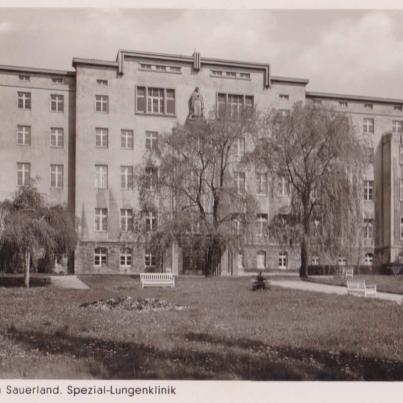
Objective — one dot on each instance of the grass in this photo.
(384, 283)
(228, 332)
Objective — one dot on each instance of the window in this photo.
(127, 139)
(401, 228)
(24, 77)
(23, 173)
(261, 183)
(125, 257)
(126, 177)
(159, 101)
(151, 220)
(261, 260)
(146, 66)
(101, 219)
(368, 190)
(160, 68)
(126, 219)
(240, 147)
(151, 178)
(217, 73)
(101, 137)
(24, 100)
(57, 137)
(150, 260)
(102, 82)
(262, 221)
(368, 259)
(57, 80)
(282, 260)
(397, 126)
(175, 69)
(343, 104)
(369, 153)
(245, 76)
(102, 103)
(284, 96)
(230, 74)
(398, 108)
(341, 261)
(240, 179)
(283, 187)
(368, 106)
(56, 176)
(368, 126)
(100, 257)
(368, 228)
(315, 260)
(101, 176)
(23, 135)
(151, 140)
(56, 103)
(232, 105)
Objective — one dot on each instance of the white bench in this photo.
(157, 280)
(360, 288)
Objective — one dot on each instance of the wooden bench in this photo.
(157, 280)
(360, 288)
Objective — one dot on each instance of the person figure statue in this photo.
(196, 105)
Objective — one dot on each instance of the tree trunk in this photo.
(303, 270)
(27, 268)
(213, 257)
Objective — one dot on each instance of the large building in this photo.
(83, 132)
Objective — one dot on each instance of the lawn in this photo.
(227, 332)
(384, 283)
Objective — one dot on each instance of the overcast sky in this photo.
(354, 52)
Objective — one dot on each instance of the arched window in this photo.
(282, 260)
(100, 257)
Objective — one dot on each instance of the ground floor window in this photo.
(282, 260)
(368, 259)
(341, 261)
(261, 259)
(125, 257)
(150, 260)
(315, 260)
(100, 257)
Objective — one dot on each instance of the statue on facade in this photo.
(196, 105)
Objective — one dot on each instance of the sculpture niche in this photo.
(196, 105)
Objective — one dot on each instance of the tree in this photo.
(30, 228)
(195, 180)
(317, 153)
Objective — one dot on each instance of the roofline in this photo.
(196, 60)
(94, 62)
(313, 94)
(36, 70)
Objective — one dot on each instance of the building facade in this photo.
(83, 132)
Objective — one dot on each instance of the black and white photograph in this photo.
(195, 194)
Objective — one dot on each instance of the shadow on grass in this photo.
(205, 356)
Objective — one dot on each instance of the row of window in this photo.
(230, 74)
(56, 136)
(160, 68)
(126, 139)
(24, 101)
(368, 126)
(56, 174)
(27, 77)
(367, 105)
(126, 220)
(125, 258)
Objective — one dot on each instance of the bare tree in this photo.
(316, 151)
(195, 180)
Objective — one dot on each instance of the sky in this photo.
(342, 51)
